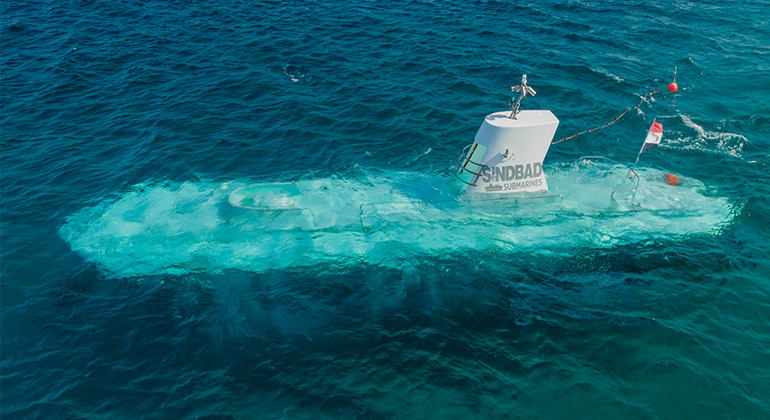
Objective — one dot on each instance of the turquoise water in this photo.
(143, 278)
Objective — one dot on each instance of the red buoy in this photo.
(673, 87)
(672, 179)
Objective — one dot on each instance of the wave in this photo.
(712, 142)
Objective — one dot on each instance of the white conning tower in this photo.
(508, 152)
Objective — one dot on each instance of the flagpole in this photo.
(631, 174)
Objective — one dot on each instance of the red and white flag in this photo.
(653, 137)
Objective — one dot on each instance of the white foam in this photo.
(712, 141)
(609, 75)
(379, 218)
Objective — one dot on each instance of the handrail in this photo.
(508, 197)
(468, 170)
(460, 159)
(631, 171)
(475, 145)
(463, 165)
(478, 175)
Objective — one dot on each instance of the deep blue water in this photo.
(121, 121)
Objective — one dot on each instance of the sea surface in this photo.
(142, 278)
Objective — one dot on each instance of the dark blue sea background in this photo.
(125, 105)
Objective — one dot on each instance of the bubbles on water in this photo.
(297, 73)
(609, 75)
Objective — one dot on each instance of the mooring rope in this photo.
(611, 122)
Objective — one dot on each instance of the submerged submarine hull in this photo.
(382, 218)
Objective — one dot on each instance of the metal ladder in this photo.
(464, 160)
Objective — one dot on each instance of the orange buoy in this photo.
(672, 179)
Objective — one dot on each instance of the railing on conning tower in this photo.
(631, 171)
(462, 165)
